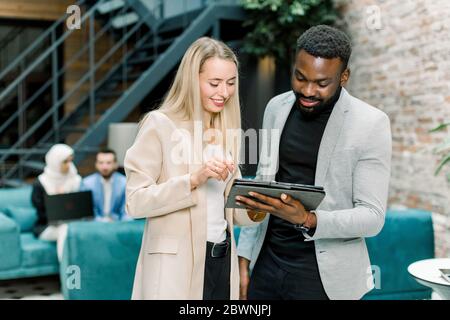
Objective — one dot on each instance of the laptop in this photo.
(69, 206)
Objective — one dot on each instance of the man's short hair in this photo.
(325, 42)
(106, 150)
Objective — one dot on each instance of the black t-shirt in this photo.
(299, 147)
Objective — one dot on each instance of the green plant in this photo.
(275, 25)
(443, 148)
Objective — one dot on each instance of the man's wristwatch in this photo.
(256, 215)
(304, 227)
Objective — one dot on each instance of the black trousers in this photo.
(216, 285)
(270, 282)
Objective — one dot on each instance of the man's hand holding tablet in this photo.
(291, 202)
(285, 207)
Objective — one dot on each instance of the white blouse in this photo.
(215, 192)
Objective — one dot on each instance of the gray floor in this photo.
(40, 288)
(48, 288)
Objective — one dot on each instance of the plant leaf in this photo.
(444, 146)
(275, 25)
(440, 127)
(443, 162)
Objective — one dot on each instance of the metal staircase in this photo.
(144, 48)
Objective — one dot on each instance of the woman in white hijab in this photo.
(59, 176)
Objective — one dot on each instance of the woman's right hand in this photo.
(214, 168)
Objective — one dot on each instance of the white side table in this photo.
(426, 272)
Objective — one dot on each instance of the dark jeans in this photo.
(216, 285)
(270, 282)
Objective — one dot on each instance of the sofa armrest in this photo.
(105, 254)
(407, 237)
(10, 252)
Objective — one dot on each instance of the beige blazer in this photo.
(172, 257)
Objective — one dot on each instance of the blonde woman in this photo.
(179, 172)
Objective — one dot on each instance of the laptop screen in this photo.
(69, 206)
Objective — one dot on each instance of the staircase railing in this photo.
(131, 96)
(208, 19)
(5, 44)
(90, 78)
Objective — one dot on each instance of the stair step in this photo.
(46, 145)
(150, 46)
(132, 76)
(124, 20)
(13, 183)
(109, 94)
(177, 22)
(141, 60)
(110, 6)
(35, 165)
(74, 129)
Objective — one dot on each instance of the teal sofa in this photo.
(21, 254)
(99, 260)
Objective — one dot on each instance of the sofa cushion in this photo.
(9, 243)
(25, 217)
(37, 252)
(16, 197)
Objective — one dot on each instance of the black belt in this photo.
(219, 249)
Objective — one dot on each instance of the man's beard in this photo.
(313, 112)
(106, 177)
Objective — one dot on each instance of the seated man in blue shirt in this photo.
(108, 188)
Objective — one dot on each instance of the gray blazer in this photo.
(353, 166)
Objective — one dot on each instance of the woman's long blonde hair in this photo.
(183, 99)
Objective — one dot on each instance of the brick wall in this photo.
(401, 64)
